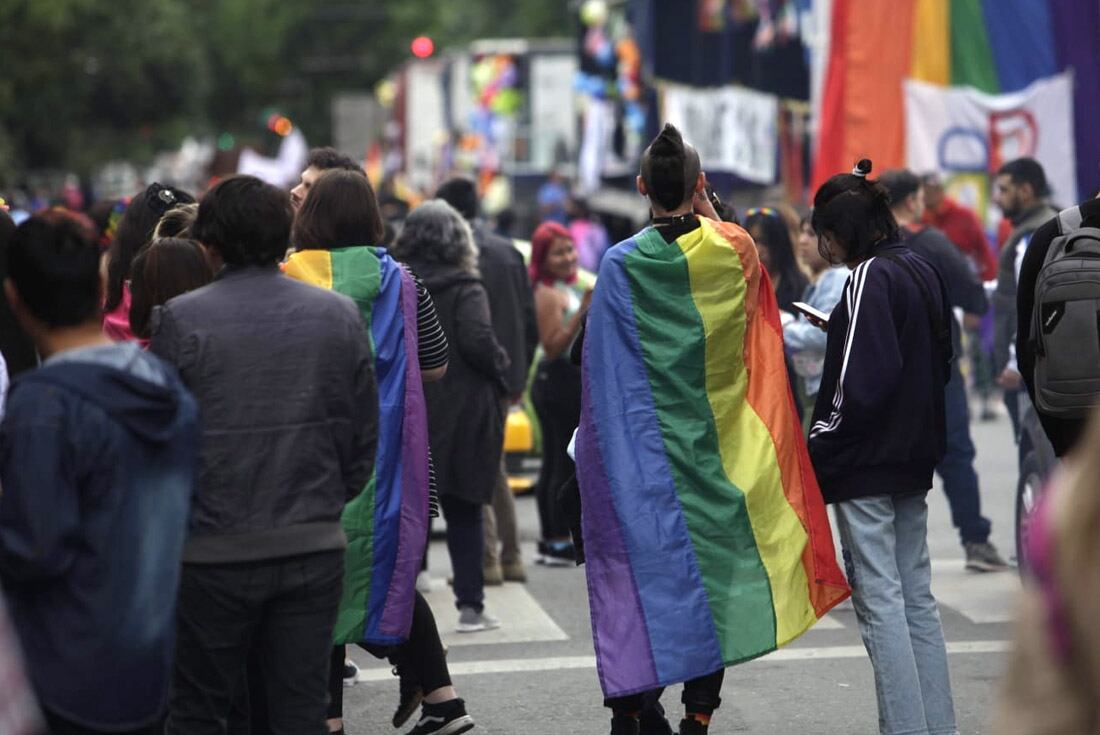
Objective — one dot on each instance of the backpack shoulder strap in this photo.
(1069, 220)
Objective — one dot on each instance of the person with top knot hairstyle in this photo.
(706, 541)
(878, 433)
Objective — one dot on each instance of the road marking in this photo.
(980, 598)
(522, 619)
(562, 663)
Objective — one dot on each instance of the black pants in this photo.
(284, 610)
(57, 725)
(420, 658)
(466, 544)
(556, 393)
(700, 697)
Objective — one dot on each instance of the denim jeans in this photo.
(886, 555)
(960, 481)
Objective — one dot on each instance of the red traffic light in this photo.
(422, 47)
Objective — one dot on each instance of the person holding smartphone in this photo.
(878, 432)
(805, 337)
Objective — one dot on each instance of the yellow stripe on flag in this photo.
(745, 442)
(312, 266)
(931, 55)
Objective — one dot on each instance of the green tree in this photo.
(85, 81)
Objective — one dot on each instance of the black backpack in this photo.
(1066, 321)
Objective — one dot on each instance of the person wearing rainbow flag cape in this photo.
(387, 524)
(705, 534)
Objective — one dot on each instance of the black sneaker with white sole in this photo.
(446, 718)
(411, 695)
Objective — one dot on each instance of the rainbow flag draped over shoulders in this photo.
(706, 537)
(387, 524)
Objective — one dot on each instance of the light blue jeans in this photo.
(886, 554)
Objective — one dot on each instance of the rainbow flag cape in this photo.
(706, 537)
(387, 524)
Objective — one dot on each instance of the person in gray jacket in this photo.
(1021, 191)
(283, 374)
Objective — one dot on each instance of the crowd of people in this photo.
(233, 417)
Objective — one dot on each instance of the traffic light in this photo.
(422, 47)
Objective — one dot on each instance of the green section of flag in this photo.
(673, 340)
(971, 55)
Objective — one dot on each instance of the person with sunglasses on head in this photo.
(134, 231)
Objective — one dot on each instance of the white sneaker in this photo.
(351, 673)
(424, 582)
(472, 621)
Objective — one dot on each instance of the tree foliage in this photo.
(84, 81)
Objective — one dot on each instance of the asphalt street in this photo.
(536, 675)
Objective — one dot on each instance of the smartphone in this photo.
(814, 315)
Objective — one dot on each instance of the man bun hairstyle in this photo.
(670, 168)
(855, 210)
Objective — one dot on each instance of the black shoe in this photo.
(560, 554)
(692, 727)
(652, 721)
(411, 696)
(351, 673)
(624, 725)
(447, 718)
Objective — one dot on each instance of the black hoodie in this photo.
(878, 426)
(98, 459)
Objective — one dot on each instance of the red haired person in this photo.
(556, 391)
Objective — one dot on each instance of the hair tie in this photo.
(862, 168)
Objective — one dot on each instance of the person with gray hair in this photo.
(465, 425)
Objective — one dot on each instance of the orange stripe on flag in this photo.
(879, 40)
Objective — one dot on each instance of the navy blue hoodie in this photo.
(98, 455)
(878, 425)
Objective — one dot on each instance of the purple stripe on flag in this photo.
(413, 528)
(623, 649)
(1076, 26)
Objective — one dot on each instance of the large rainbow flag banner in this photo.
(993, 46)
(387, 524)
(706, 536)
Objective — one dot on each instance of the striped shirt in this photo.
(432, 351)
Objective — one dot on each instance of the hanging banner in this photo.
(962, 132)
(733, 128)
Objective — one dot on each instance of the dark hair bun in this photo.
(668, 142)
(863, 168)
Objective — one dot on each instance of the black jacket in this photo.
(964, 290)
(878, 426)
(1063, 433)
(284, 377)
(511, 304)
(465, 419)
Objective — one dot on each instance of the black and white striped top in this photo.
(432, 351)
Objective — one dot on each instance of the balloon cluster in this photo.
(495, 78)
